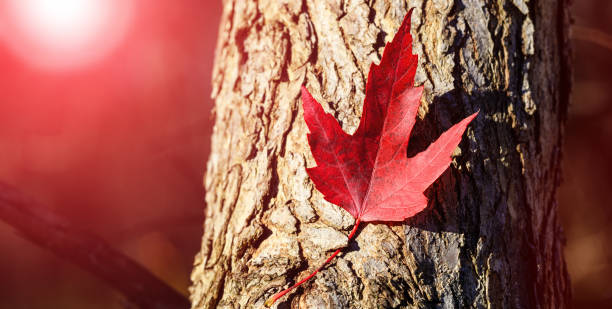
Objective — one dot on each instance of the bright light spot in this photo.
(62, 23)
(60, 34)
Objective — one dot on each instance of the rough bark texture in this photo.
(491, 235)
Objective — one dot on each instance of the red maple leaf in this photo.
(368, 173)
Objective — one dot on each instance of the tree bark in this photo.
(491, 235)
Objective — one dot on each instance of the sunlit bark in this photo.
(490, 237)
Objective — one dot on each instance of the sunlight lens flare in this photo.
(64, 33)
(62, 23)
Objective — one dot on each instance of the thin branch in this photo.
(592, 35)
(37, 224)
(190, 220)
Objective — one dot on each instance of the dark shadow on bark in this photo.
(451, 208)
(446, 110)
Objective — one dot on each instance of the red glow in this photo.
(62, 34)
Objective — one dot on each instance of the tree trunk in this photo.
(491, 235)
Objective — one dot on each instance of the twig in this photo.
(592, 35)
(190, 220)
(35, 223)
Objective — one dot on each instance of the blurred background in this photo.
(116, 140)
(585, 196)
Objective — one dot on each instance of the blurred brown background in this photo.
(585, 197)
(120, 149)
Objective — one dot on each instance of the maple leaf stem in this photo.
(274, 298)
